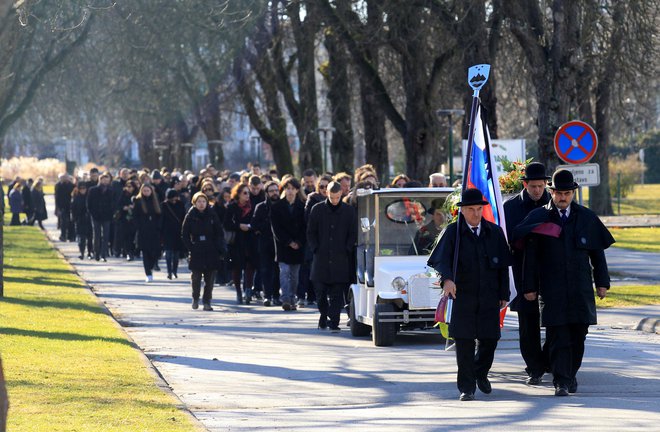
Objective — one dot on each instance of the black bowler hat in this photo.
(470, 197)
(562, 180)
(535, 171)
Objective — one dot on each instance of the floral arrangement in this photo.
(449, 207)
(510, 182)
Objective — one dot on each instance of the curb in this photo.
(649, 325)
(159, 379)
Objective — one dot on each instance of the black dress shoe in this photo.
(561, 390)
(466, 397)
(534, 380)
(323, 323)
(572, 388)
(484, 385)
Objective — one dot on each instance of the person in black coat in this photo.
(173, 214)
(242, 248)
(564, 245)
(63, 190)
(479, 287)
(203, 237)
(100, 208)
(332, 235)
(39, 212)
(148, 219)
(27, 202)
(82, 220)
(124, 221)
(261, 226)
(534, 195)
(288, 223)
(305, 286)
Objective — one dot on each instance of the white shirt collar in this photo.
(568, 211)
(478, 228)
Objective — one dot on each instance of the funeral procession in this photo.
(329, 215)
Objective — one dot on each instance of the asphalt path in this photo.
(256, 368)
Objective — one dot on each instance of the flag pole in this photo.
(477, 77)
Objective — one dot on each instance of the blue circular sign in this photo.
(576, 142)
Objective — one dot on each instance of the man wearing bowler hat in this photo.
(564, 246)
(480, 288)
(533, 196)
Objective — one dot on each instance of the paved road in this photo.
(255, 368)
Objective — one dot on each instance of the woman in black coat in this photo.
(148, 218)
(38, 203)
(82, 220)
(242, 250)
(173, 214)
(203, 236)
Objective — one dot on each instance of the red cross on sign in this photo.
(576, 142)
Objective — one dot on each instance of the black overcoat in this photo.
(332, 235)
(262, 229)
(80, 215)
(100, 203)
(39, 211)
(288, 223)
(203, 236)
(63, 190)
(173, 215)
(516, 209)
(244, 249)
(148, 224)
(482, 278)
(560, 268)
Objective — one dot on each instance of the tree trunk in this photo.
(210, 122)
(339, 96)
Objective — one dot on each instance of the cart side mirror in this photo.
(365, 225)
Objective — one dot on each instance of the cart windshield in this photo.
(409, 225)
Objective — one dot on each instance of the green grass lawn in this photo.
(630, 295)
(644, 199)
(68, 366)
(641, 239)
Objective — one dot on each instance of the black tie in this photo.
(476, 231)
(564, 218)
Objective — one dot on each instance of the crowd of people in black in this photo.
(250, 229)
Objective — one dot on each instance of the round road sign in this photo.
(576, 142)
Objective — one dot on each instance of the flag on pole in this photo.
(481, 175)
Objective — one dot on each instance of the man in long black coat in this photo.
(63, 190)
(564, 248)
(266, 245)
(480, 288)
(331, 234)
(100, 207)
(533, 196)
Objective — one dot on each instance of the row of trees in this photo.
(169, 70)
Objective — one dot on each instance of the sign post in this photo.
(576, 143)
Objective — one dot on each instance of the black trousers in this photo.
(529, 331)
(473, 365)
(149, 260)
(65, 224)
(85, 240)
(101, 238)
(330, 299)
(209, 277)
(566, 349)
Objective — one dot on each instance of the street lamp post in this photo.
(449, 113)
(324, 131)
(161, 150)
(256, 139)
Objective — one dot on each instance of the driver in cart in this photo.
(427, 234)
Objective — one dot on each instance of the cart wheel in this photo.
(358, 329)
(383, 332)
